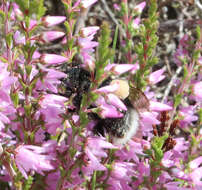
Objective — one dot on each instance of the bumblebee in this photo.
(121, 130)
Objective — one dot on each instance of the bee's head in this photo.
(123, 90)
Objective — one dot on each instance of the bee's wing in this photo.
(138, 100)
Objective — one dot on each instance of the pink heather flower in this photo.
(147, 120)
(32, 158)
(181, 145)
(36, 55)
(87, 46)
(196, 176)
(95, 150)
(51, 35)
(53, 59)
(200, 61)
(87, 3)
(88, 31)
(51, 108)
(122, 170)
(195, 163)
(18, 38)
(116, 7)
(119, 69)
(5, 79)
(156, 76)
(17, 12)
(108, 111)
(180, 55)
(167, 160)
(112, 99)
(50, 80)
(52, 180)
(32, 24)
(197, 91)
(187, 116)
(157, 106)
(75, 6)
(139, 8)
(131, 153)
(136, 23)
(174, 186)
(6, 106)
(107, 89)
(49, 21)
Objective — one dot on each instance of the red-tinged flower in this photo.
(53, 59)
(139, 8)
(51, 35)
(156, 76)
(32, 158)
(157, 106)
(118, 69)
(49, 21)
(87, 3)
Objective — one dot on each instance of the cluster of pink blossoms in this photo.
(36, 137)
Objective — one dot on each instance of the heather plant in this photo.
(52, 102)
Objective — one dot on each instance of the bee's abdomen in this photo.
(121, 129)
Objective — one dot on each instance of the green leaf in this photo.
(41, 9)
(28, 183)
(28, 108)
(115, 42)
(15, 99)
(200, 115)
(198, 32)
(28, 69)
(177, 100)
(9, 39)
(94, 180)
(2, 15)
